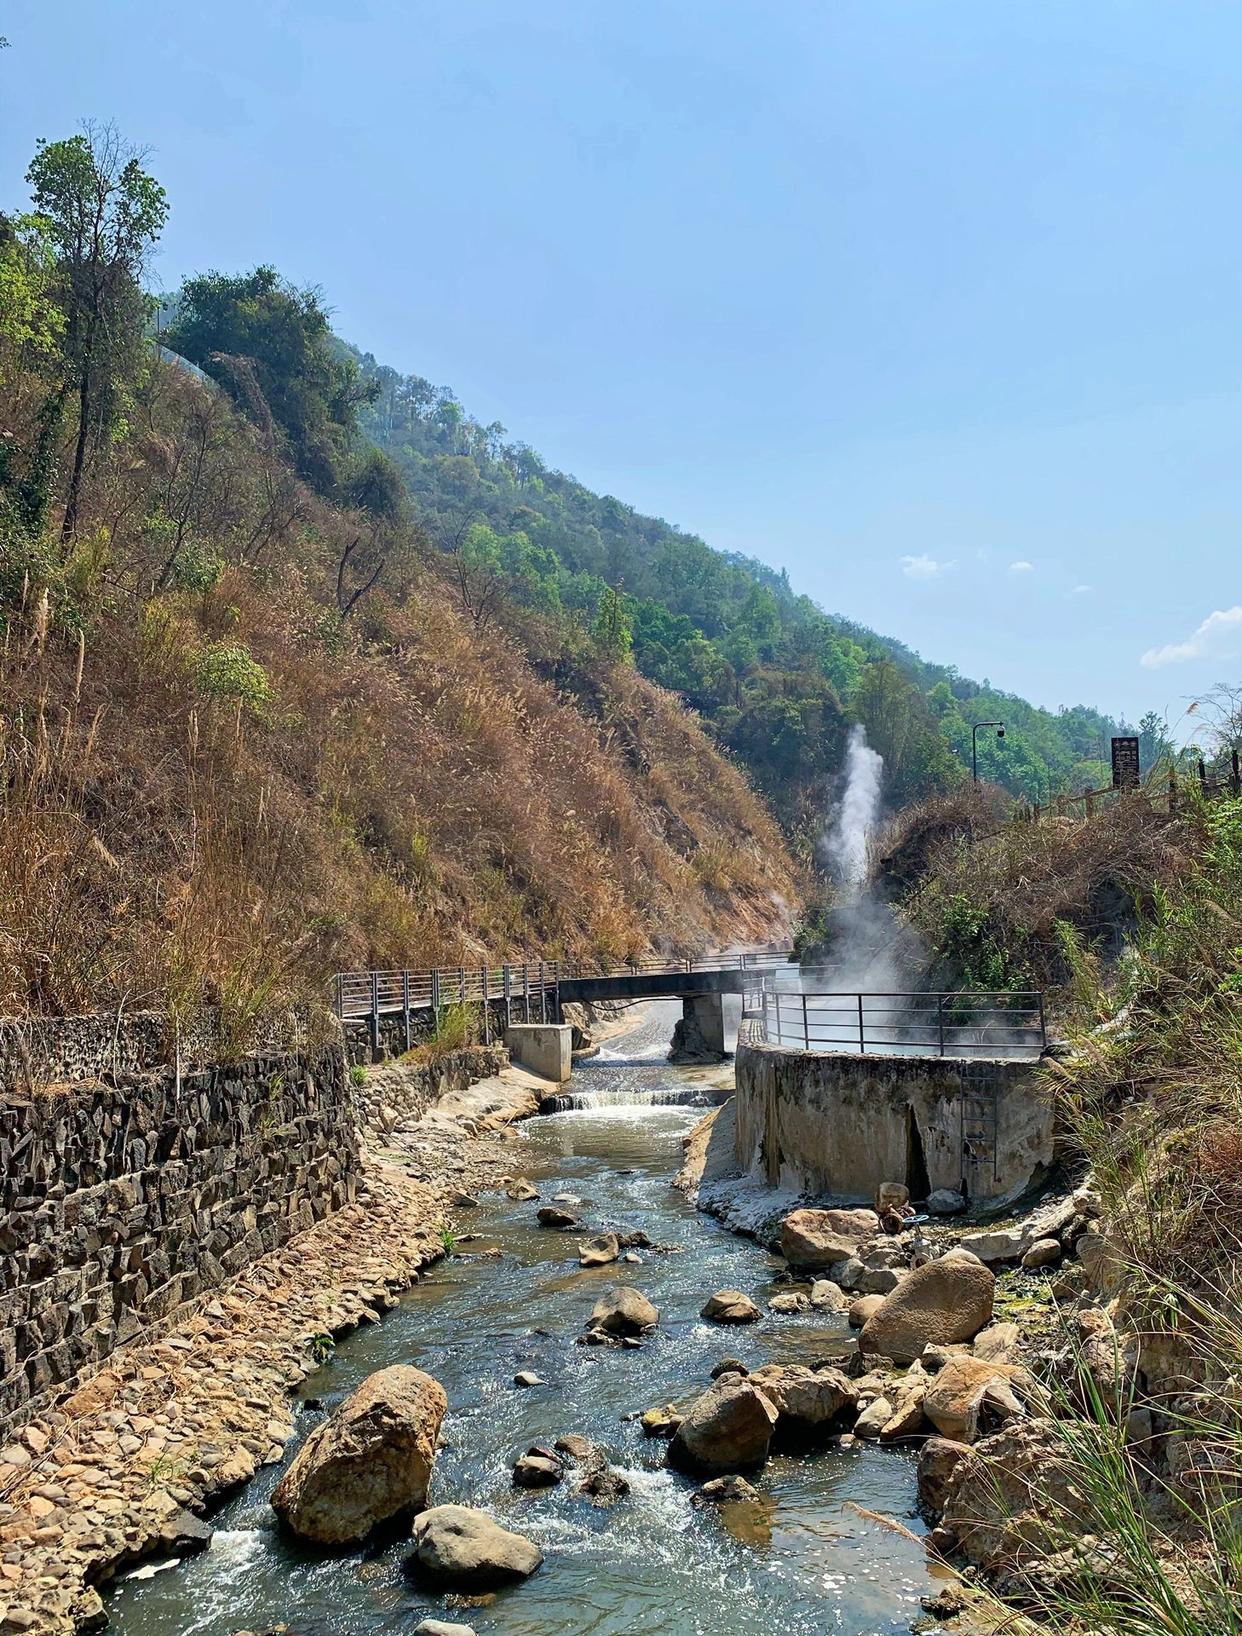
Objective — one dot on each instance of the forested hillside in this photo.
(777, 678)
(249, 733)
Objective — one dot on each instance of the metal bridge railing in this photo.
(960, 1023)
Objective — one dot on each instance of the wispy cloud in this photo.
(1081, 590)
(925, 567)
(1022, 567)
(1218, 637)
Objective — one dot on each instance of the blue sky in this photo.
(901, 296)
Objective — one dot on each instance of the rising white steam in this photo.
(848, 842)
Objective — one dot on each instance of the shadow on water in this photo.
(800, 1562)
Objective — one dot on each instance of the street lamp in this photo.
(974, 744)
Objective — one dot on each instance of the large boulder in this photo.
(369, 1462)
(463, 1549)
(623, 1310)
(820, 1238)
(807, 1401)
(969, 1397)
(1011, 1500)
(731, 1306)
(942, 1302)
(729, 1428)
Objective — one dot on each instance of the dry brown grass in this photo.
(410, 793)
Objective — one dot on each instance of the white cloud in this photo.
(1218, 637)
(925, 567)
(1021, 567)
(1081, 590)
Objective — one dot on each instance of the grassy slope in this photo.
(409, 791)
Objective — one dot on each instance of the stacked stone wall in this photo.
(124, 1198)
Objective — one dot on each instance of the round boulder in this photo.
(623, 1310)
(463, 1549)
(731, 1306)
(942, 1302)
(820, 1238)
(369, 1462)
(728, 1428)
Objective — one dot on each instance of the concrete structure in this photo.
(542, 1048)
(700, 1035)
(839, 1123)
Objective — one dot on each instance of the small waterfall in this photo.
(666, 1097)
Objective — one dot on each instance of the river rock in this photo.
(367, 1463)
(829, 1297)
(873, 1419)
(661, 1422)
(807, 1401)
(723, 1491)
(891, 1196)
(942, 1301)
(789, 1301)
(728, 1366)
(440, 1627)
(862, 1309)
(995, 1244)
(945, 1201)
(464, 1549)
(551, 1215)
(623, 1310)
(1045, 1252)
(522, 1190)
(728, 1428)
(731, 1306)
(907, 1397)
(969, 1398)
(527, 1377)
(998, 1343)
(603, 1485)
(537, 1468)
(599, 1251)
(818, 1238)
(938, 1459)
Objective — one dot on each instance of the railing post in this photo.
(862, 1041)
(461, 985)
(526, 989)
(507, 977)
(405, 1008)
(1235, 773)
(1043, 1025)
(375, 1026)
(776, 994)
(806, 1032)
(487, 1013)
(435, 994)
(940, 1021)
(543, 991)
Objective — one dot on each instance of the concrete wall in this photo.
(120, 1202)
(839, 1123)
(542, 1048)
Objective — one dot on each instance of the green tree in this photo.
(612, 632)
(1154, 741)
(103, 213)
(271, 347)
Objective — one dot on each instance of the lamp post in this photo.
(974, 744)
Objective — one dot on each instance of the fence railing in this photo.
(959, 1023)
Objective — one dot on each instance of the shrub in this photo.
(227, 670)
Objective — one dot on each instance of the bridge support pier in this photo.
(699, 1037)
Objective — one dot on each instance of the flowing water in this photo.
(800, 1562)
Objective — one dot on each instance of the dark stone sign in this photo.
(1126, 774)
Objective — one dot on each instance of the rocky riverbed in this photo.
(124, 1468)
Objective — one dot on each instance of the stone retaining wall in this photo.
(121, 1202)
(840, 1123)
(393, 1093)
